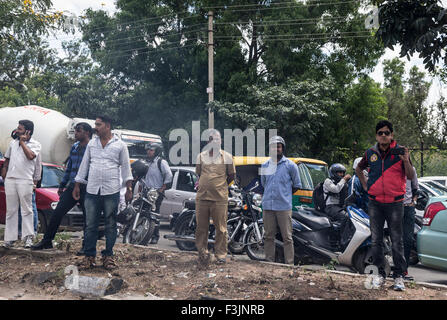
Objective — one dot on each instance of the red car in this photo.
(47, 199)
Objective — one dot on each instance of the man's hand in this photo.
(406, 156)
(25, 137)
(347, 177)
(76, 192)
(128, 196)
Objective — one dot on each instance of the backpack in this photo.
(319, 198)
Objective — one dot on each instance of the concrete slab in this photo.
(47, 253)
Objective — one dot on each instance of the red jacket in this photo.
(386, 177)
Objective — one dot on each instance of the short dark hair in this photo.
(384, 123)
(86, 127)
(28, 125)
(106, 119)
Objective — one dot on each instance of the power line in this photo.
(294, 6)
(295, 3)
(309, 21)
(304, 34)
(145, 50)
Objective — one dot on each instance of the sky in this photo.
(77, 7)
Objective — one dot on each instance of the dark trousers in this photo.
(408, 231)
(158, 202)
(65, 204)
(338, 214)
(393, 214)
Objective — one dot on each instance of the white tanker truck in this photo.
(55, 132)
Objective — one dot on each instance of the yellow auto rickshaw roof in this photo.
(240, 161)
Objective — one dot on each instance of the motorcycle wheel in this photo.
(237, 245)
(182, 228)
(254, 250)
(363, 258)
(142, 234)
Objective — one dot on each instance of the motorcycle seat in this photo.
(311, 220)
(190, 204)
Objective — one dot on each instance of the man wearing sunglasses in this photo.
(389, 167)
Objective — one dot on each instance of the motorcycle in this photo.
(317, 240)
(138, 220)
(237, 222)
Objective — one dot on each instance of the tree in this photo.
(22, 51)
(417, 26)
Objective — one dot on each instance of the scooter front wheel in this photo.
(363, 258)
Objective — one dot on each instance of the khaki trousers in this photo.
(283, 219)
(217, 211)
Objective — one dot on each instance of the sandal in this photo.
(108, 263)
(87, 263)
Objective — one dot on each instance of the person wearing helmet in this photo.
(336, 189)
(280, 179)
(158, 176)
(355, 186)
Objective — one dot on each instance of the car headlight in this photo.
(53, 205)
(152, 195)
(257, 200)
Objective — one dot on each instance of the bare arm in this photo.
(362, 178)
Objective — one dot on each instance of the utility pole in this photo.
(210, 89)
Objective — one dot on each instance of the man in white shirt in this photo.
(105, 163)
(18, 172)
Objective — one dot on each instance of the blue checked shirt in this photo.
(73, 164)
(278, 183)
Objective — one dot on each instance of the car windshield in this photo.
(137, 149)
(436, 187)
(312, 174)
(51, 177)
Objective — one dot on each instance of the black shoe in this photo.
(42, 245)
(154, 241)
(80, 252)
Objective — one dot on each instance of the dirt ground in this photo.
(176, 275)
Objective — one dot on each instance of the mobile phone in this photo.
(398, 151)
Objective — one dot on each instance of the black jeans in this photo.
(65, 204)
(408, 231)
(338, 214)
(393, 214)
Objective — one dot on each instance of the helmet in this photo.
(277, 139)
(157, 146)
(356, 162)
(139, 168)
(336, 167)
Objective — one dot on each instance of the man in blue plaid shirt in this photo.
(83, 134)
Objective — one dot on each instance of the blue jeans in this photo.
(393, 214)
(94, 205)
(35, 216)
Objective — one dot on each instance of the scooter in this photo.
(316, 239)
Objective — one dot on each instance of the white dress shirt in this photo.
(103, 166)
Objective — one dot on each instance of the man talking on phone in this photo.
(18, 172)
(389, 167)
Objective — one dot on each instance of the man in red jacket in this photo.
(389, 167)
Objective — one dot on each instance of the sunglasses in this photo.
(383, 133)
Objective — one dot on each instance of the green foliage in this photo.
(417, 26)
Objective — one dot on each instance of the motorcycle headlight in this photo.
(257, 200)
(152, 195)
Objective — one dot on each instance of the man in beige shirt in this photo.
(216, 171)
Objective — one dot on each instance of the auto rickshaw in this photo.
(311, 171)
